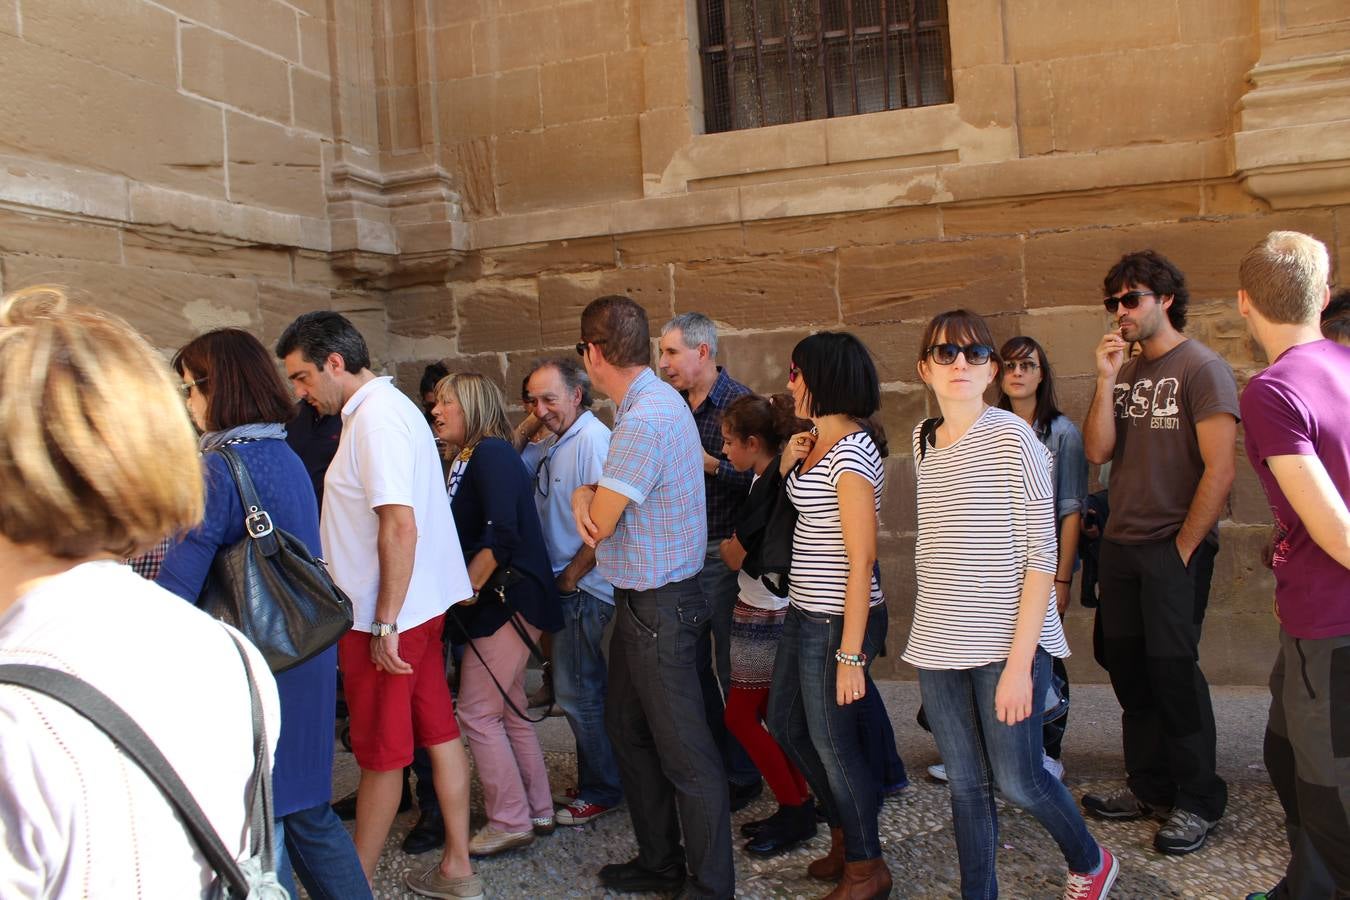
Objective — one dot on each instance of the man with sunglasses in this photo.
(1166, 420)
(558, 395)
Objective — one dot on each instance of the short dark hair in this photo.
(573, 375)
(959, 326)
(1336, 318)
(1047, 409)
(771, 419)
(838, 371)
(321, 332)
(618, 325)
(1156, 272)
(431, 376)
(241, 384)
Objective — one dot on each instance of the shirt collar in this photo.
(577, 426)
(718, 394)
(362, 394)
(638, 386)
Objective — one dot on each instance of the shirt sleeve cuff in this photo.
(634, 494)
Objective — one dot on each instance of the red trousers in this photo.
(745, 719)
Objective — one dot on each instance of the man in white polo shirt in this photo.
(391, 545)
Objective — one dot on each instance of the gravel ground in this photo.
(1246, 853)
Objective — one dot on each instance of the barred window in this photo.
(769, 62)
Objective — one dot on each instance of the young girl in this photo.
(1026, 386)
(753, 431)
(985, 624)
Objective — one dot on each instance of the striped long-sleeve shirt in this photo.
(986, 517)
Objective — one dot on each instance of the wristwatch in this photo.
(383, 629)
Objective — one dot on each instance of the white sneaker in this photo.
(938, 772)
(1052, 765)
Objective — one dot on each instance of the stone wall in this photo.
(463, 177)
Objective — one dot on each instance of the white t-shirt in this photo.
(819, 560)
(387, 456)
(79, 819)
(986, 516)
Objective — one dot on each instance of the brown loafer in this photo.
(489, 841)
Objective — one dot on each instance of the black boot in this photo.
(427, 834)
(794, 824)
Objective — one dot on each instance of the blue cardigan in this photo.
(494, 507)
(303, 773)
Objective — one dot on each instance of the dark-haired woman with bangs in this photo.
(985, 624)
(1026, 386)
(236, 397)
(836, 620)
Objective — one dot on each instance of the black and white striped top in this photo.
(819, 562)
(986, 517)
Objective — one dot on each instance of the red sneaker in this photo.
(579, 812)
(1093, 887)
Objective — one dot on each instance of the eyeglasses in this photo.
(542, 478)
(945, 354)
(793, 372)
(581, 346)
(1129, 300)
(186, 387)
(1022, 365)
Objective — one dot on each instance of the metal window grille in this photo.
(769, 62)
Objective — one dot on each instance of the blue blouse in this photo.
(302, 776)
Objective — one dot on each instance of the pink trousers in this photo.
(505, 748)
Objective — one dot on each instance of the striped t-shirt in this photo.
(986, 517)
(819, 561)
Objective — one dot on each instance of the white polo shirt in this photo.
(387, 456)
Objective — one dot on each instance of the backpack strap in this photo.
(928, 435)
(113, 721)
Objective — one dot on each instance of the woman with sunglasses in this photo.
(985, 623)
(1027, 388)
(236, 398)
(491, 497)
(836, 620)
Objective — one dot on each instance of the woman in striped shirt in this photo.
(985, 623)
(836, 621)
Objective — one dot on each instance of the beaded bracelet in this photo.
(850, 659)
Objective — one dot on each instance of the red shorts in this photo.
(391, 714)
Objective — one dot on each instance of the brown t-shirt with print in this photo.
(1157, 466)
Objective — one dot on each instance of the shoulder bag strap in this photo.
(95, 706)
(257, 522)
(455, 623)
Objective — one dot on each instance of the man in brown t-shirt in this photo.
(1167, 422)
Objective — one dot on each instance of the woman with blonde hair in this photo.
(98, 462)
(503, 542)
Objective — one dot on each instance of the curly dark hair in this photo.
(1155, 272)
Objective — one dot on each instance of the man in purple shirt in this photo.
(1298, 440)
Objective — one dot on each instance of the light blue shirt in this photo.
(558, 466)
(656, 461)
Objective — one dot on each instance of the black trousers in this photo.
(1308, 757)
(1152, 609)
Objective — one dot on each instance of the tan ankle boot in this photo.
(866, 880)
(830, 867)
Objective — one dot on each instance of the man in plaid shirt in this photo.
(689, 362)
(647, 520)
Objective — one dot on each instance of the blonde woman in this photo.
(99, 462)
(503, 542)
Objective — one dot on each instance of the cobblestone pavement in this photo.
(1246, 853)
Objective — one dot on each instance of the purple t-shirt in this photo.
(1298, 407)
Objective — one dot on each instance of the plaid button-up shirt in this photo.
(654, 461)
(726, 488)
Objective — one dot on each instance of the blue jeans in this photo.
(822, 738)
(979, 752)
(579, 685)
(878, 742)
(721, 587)
(671, 770)
(314, 843)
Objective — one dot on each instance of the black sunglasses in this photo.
(1129, 300)
(945, 354)
(542, 476)
(581, 346)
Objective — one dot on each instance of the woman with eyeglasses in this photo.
(491, 497)
(985, 622)
(236, 398)
(836, 620)
(1027, 388)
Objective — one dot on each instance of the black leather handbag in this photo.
(272, 588)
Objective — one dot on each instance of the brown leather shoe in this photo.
(830, 867)
(865, 880)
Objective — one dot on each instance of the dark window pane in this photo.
(795, 60)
